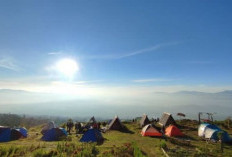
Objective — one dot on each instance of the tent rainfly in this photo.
(167, 120)
(144, 121)
(92, 135)
(92, 120)
(172, 130)
(116, 124)
(149, 130)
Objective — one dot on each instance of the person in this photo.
(77, 126)
(69, 125)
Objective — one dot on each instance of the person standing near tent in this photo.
(77, 127)
(70, 125)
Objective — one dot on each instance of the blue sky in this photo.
(187, 42)
(119, 46)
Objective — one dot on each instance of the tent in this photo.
(212, 134)
(166, 120)
(116, 124)
(149, 130)
(92, 120)
(92, 135)
(210, 131)
(54, 134)
(47, 127)
(23, 131)
(8, 134)
(144, 121)
(202, 128)
(172, 130)
(18, 133)
(5, 134)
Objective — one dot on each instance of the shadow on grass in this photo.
(126, 130)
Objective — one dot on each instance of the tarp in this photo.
(149, 130)
(172, 130)
(54, 134)
(92, 135)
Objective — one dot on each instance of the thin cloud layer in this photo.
(9, 64)
(151, 80)
(130, 54)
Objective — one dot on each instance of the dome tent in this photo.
(55, 134)
(149, 130)
(172, 130)
(92, 135)
(8, 134)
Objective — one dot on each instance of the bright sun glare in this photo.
(67, 67)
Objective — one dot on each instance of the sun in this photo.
(68, 67)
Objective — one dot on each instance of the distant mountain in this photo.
(226, 92)
(200, 93)
(13, 91)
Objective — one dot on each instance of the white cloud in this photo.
(8, 63)
(130, 54)
(55, 53)
(151, 80)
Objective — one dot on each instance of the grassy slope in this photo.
(151, 146)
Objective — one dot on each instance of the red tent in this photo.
(172, 130)
(149, 130)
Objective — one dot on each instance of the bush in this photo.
(163, 145)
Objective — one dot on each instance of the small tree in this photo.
(220, 136)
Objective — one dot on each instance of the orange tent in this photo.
(172, 130)
(149, 130)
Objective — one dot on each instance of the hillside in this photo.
(116, 144)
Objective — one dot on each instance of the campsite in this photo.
(115, 78)
(127, 138)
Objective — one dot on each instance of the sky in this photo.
(115, 49)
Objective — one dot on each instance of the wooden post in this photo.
(199, 117)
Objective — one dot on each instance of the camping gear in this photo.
(180, 114)
(149, 130)
(166, 120)
(54, 134)
(172, 130)
(92, 135)
(204, 126)
(144, 121)
(116, 124)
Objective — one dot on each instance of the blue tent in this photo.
(210, 131)
(92, 135)
(212, 134)
(5, 134)
(54, 134)
(23, 131)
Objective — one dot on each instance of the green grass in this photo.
(116, 144)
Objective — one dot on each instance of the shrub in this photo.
(163, 145)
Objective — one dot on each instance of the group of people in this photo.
(79, 128)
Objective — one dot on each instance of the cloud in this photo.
(151, 80)
(9, 64)
(55, 53)
(130, 54)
